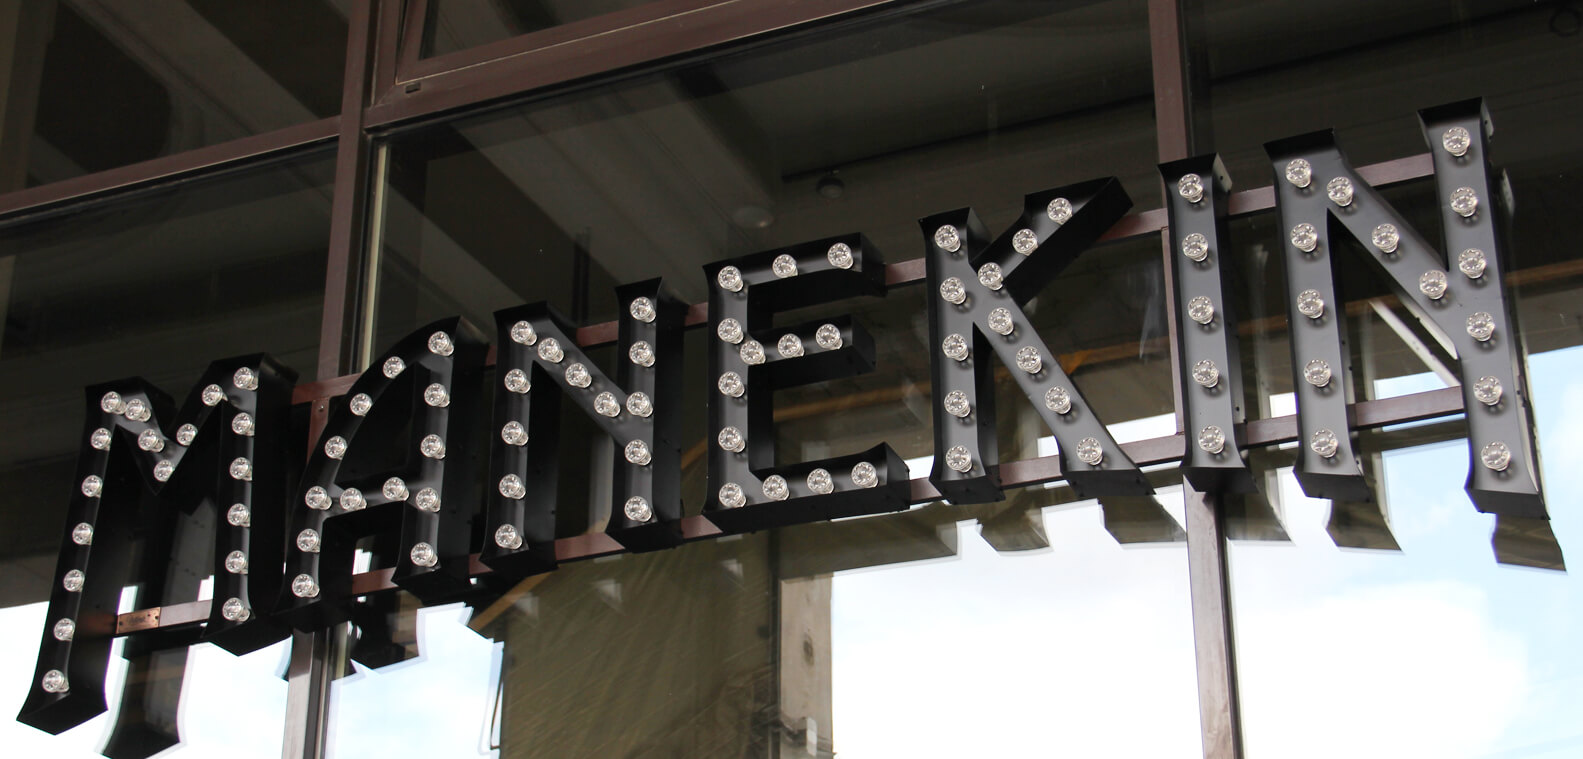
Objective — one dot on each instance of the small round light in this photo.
(55, 682)
(1000, 321)
(550, 350)
(1195, 246)
(840, 255)
(423, 555)
(1472, 263)
(820, 481)
(1481, 326)
(789, 346)
(577, 375)
(1059, 210)
(73, 580)
(952, 291)
(1201, 309)
(1324, 443)
(751, 352)
(1024, 242)
(352, 499)
(212, 395)
(440, 344)
(1299, 172)
(1456, 141)
(163, 470)
(729, 330)
(82, 534)
(958, 459)
(1089, 451)
(394, 489)
(186, 433)
(150, 440)
(335, 447)
(1205, 373)
(1340, 191)
(427, 499)
(1317, 372)
(729, 278)
(308, 541)
(828, 336)
(137, 410)
(1057, 399)
(946, 238)
(1433, 283)
(605, 405)
(784, 266)
(1487, 390)
(1311, 304)
(1496, 456)
(360, 404)
(304, 586)
(1211, 439)
(730, 384)
(394, 366)
(1385, 237)
(1029, 360)
(955, 347)
(236, 563)
(956, 404)
(637, 452)
(111, 403)
(642, 309)
(432, 446)
(864, 475)
(517, 381)
(730, 439)
(1464, 201)
(245, 379)
(1305, 238)
(436, 395)
(507, 537)
(100, 439)
(241, 424)
(239, 515)
(317, 498)
(1191, 187)
(637, 509)
(511, 487)
(233, 610)
(731, 496)
(989, 275)
(522, 334)
(775, 488)
(638, 404)
(64, 629)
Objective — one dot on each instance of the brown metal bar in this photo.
(536, 61)
(350, 201)
(410, 48)
(387, 52)
(1209, 586)
(69, 194)
(1172, 117)
(1432, 404)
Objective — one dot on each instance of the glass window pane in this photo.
(1416, 625)
(93, 85)
(454, 25)
(156, 286)
(851, 635)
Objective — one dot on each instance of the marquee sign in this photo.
(283, 549)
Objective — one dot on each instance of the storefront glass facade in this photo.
(450, 157)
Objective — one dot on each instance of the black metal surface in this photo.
(762, 294)
(1512, 492)
(1221, 405)
(386, 443)
(134, 506)
(1097, 205)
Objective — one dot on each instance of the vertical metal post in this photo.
(1179, 137)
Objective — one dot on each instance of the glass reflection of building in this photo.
(186, 180)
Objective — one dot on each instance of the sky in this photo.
(1081, 649)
